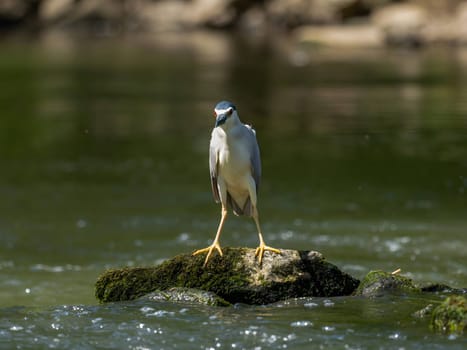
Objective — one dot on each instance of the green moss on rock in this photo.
(235, 277)
(378, 282)
(183, 270)
(124, 284)
(450, 316)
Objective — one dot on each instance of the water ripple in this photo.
(298, 323)
(55, 269)
(301, 324)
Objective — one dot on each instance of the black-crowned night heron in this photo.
(235, 166)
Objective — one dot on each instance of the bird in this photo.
(235, 169)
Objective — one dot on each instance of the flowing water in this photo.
(103, 163)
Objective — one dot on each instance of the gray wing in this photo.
(255, 157)
(213, 159)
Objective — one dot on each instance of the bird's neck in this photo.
(233, 133)
(233, 123)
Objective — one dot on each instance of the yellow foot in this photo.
(260, 251)
(209, 250)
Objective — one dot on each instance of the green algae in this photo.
(450, 316)
(124, 284)
(183, 270)
(378, 282)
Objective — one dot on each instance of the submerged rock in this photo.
(441, 288)
(450, 316)
(236, 277)
(425, 312)
(187, 295)
(378, 283)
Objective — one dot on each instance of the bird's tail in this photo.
(247, 209)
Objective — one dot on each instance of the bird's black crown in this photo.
(225, 105)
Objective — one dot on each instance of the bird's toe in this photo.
(209, 250)
(259, 252)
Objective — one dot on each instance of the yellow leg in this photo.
(262, 247)
(215, 244)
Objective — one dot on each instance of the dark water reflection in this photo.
(103, 163)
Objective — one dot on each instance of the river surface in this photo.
(103, 164)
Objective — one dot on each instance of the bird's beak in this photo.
(220, 119)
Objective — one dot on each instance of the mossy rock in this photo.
(450, 316)
(377, 283)
(441, 288)
(187, 295)
(236, 277)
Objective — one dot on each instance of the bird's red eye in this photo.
(215, 114)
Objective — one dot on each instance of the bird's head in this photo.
(223, 112)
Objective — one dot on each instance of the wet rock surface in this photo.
(186, 295)
(450, 316)
(377, 283)
(235, 277)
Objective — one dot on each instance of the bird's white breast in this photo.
(235, 161)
